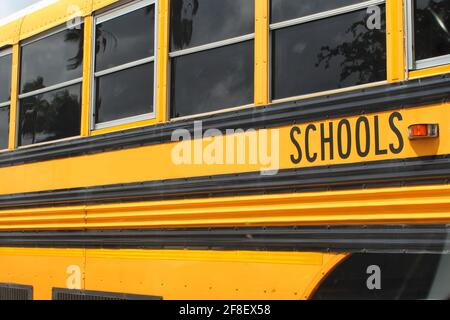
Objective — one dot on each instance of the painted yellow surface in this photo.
(41, 268)
(159, 162)
(171, 274)
(395, 45)
(162, 67)
(87, 81)
(407, 205)
(261, 53)
(429, 72)
(14, 97)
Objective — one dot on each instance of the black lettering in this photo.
(378, 151)
(296, 159)
(362, 153)
(328, 140)
(401, 143)
(310, 158)
(344, 155)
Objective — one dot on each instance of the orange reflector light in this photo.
(422, 131)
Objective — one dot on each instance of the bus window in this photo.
(50, 86)
(5, 96)
(125, 65)
(429, 36)
(325, 47)
(212, 55)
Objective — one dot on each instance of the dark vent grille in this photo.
(67, 294)
(15, 292)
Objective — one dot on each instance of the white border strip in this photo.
(123, 10)
(5, 52)
(122, 67)
(51, 88)
(325, 14)
(432, 62)
(212, 45)
(114, 123)
(28, 10)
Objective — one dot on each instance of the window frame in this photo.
(6, 104)
(200, 48)
(413, 64)
(108, 16)
(3, 53)
(310, 18)
(55, 87)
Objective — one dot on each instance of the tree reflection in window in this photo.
(363, 57)
(50, 116)
(328, 53)
(75, 35)
(183, 12)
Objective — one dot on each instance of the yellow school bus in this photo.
(232, 149)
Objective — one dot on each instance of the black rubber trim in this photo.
(69, 294)
(378, 238)
(399, 95)
(414, 171)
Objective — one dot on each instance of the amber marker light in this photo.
(423, 131)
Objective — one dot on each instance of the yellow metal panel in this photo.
(261, 52)
(200, 275)
(45, 218)
(396, 54)
(14, 97)
(304, 258)
(125, 126)
(99, 4)
(429, 72)
(54, 15)
(377, 206)
(44, 269)
(408, 205)
(9, 33)
(156, 162)
(87, 79)
(161, 107)
(172, 274)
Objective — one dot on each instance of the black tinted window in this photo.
(282, 10)
(124, 39)
(198, 22)
(50, 116)
(212, 80)
(125, 94)
(52, 60)
(404, 276)
(5, 77)
(328, 54)
(4, 127)
(431, 28)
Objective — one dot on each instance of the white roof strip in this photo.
(26, 11)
